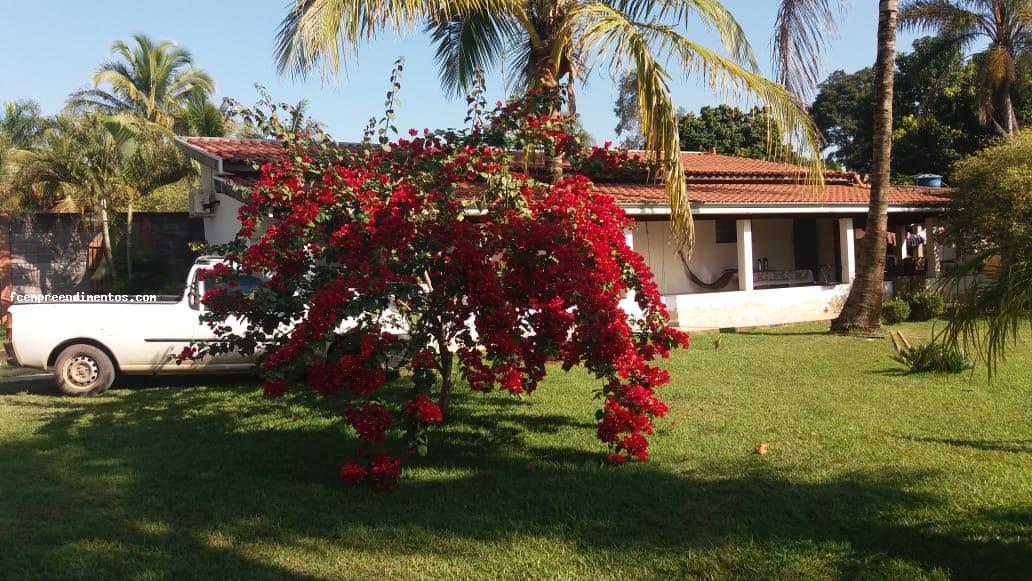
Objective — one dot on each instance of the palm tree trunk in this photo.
(863, 309)
(128, 242)
(543, 76)
(1010, 121)
(544, 73)
(105, 231)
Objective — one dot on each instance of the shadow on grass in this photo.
(788, 332)
(148, 485)
(890, 372)
(46, 386)
(1015, 446)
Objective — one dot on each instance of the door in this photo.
(241, 284)
(804, 234)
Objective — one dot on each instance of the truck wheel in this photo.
(84, 370)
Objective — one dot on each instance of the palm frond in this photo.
(944, 16)
(801, 34)
(607, 31)
(474, 41)
(325, 34)
(711, 13)
(646, 45)
(995, 302)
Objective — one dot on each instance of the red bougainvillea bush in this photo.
(437, 255)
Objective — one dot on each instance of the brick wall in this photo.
(48, 253)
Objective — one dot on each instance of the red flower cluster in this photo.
(370, 420)
(353, 473)
(605, 164)
(383, 472)
(424, 410)
(439, 233)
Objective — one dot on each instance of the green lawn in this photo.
(871, 473)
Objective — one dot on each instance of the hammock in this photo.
(721, 282)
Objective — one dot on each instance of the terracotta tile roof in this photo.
(699, 166)
(737, 194)
(747, 194)
(238, 151)
(712, 180)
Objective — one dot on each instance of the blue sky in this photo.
(50, 48)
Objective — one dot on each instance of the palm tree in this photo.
(153, 81)
(21, 128)
(21, 124)
(1006, 24)
(863, 308)
(200, 117)
(799, 38)
(82, 165)
(559, 42)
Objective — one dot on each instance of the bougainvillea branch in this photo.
(443, 256)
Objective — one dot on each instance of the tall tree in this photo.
(863, 308)
(935, 112)
(729, 130)
(21, 128)
(154, 81)
(1006, 24)
(990, 218)
(556, 42)
(21, 124)
(82, 165)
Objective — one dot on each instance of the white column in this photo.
(745, 259)
(901, 232)
(628, 303)
(847, 244)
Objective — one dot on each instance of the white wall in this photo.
(654, 241)
(758, 307)
(223, 225)
(773, 240)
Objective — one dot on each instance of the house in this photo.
(769, 249)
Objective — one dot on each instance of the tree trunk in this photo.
(105, 231)
(544, 72)
(128, 242)
(444, 401)
(445, 358)
(1010, 120)
(863, 309)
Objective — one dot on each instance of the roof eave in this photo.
(200, 155)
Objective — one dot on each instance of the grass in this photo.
(871, 473)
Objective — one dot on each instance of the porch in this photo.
(755, 271)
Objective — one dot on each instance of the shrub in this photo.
(356, 242)
(896, 311)
(934, 357)
(926, 305)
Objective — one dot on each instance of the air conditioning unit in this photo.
(202, 203)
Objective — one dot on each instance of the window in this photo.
(727, 231)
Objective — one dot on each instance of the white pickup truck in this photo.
(86, 344)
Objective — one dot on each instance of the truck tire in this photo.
(84, 370)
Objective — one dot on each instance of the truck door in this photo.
(241, 284)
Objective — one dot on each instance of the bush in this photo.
(926, 305)
(934, 357)
(896, 311)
